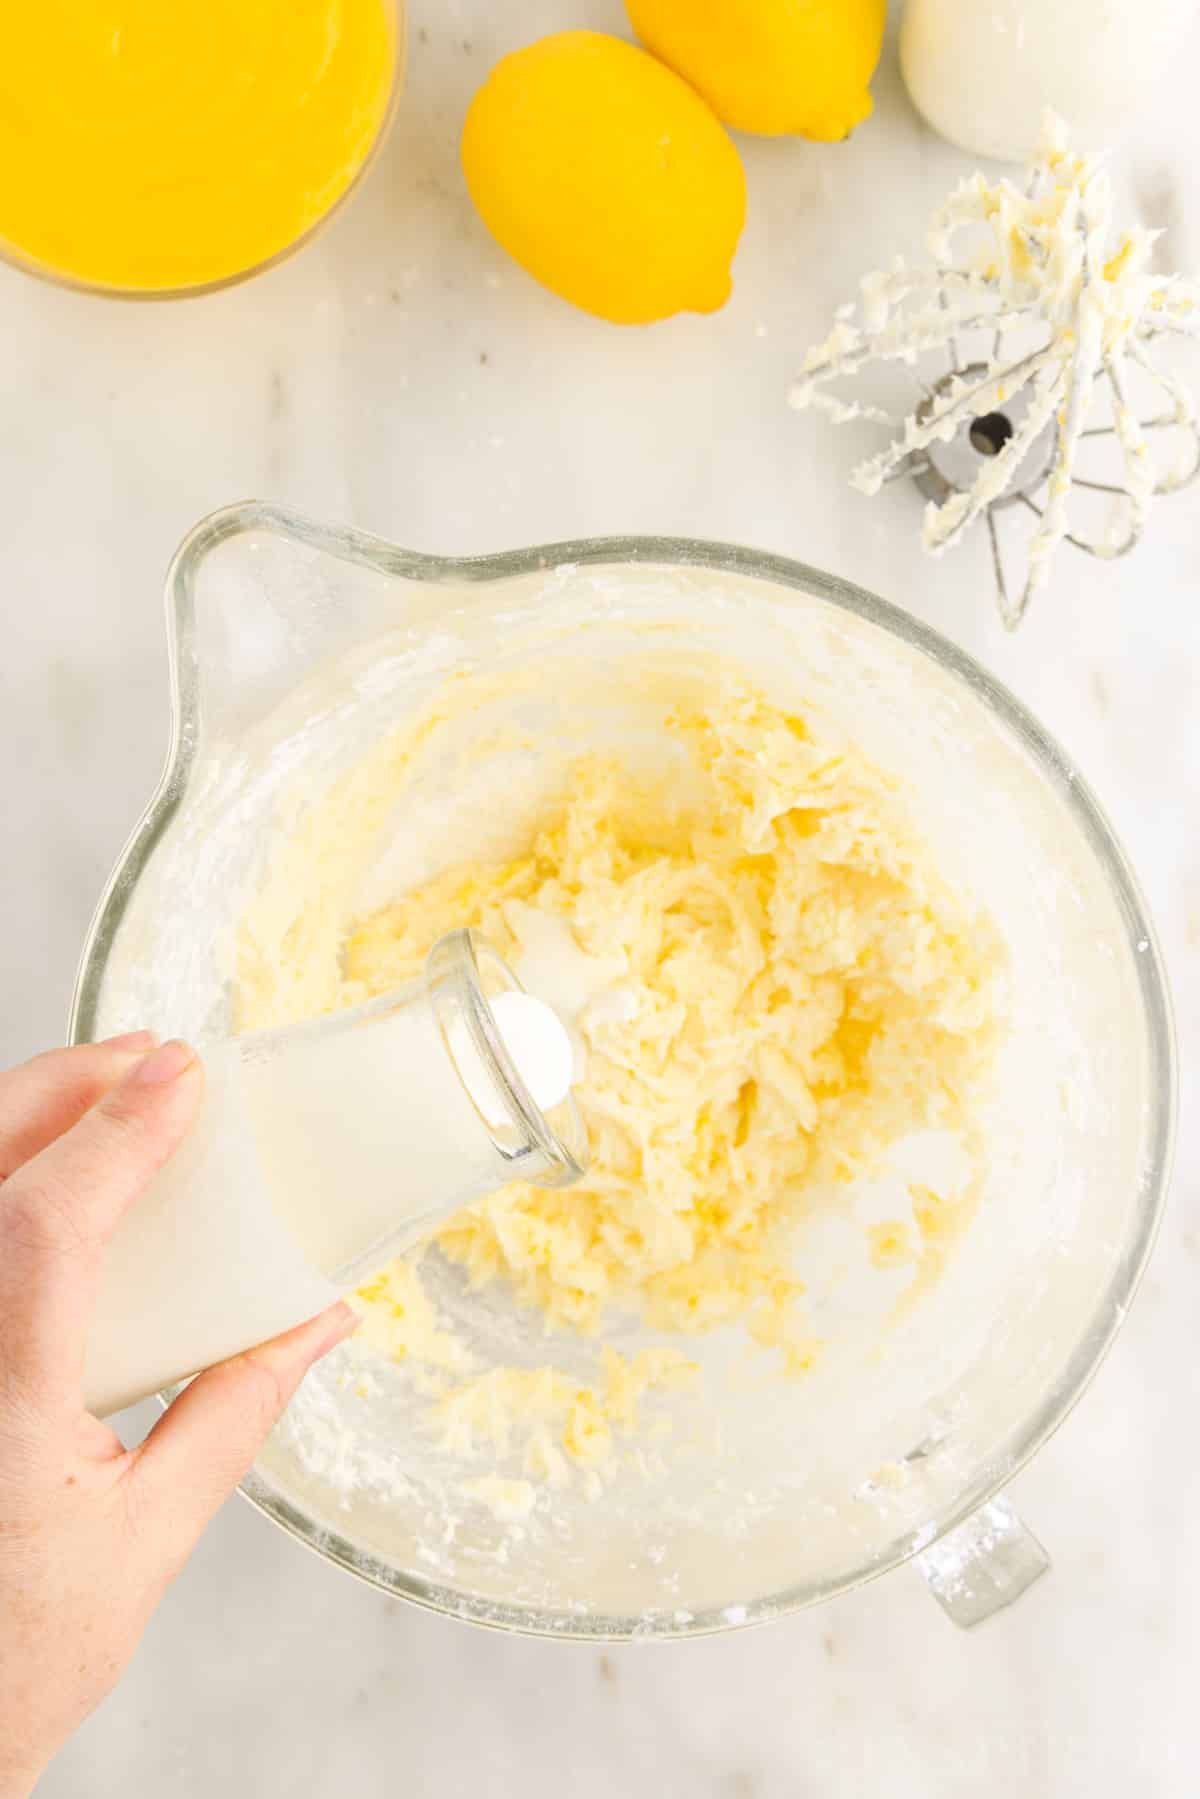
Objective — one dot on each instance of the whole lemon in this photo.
(606, 178)
(771, 66)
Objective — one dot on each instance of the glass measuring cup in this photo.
(293, 646)
(321, 1151)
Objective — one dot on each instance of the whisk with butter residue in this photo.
(1067, 306)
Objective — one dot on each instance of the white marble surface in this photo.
(399, 374)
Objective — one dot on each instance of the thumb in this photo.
(207, 1439)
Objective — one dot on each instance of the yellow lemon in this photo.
(771, 66)
(606, 178)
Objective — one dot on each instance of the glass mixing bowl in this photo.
(294, 646)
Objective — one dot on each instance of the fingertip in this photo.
(210, 1435)
(163, 1065)
(42, 1099)
(338, 1323)
(159, 1093)
(297, 1349)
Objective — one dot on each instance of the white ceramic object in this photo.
(983, 72)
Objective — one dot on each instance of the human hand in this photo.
(92, 1533)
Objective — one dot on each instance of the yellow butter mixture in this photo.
(789, 989)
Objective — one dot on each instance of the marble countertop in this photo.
(401, 375)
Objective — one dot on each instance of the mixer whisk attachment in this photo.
(1048, 318)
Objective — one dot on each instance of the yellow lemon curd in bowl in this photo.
(158, 146)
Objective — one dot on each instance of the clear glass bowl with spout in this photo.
(293, 646)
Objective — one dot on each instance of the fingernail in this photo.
(131, 1040)
(164, 1064)
(340, 1320)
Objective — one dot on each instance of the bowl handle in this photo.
(983, 1564)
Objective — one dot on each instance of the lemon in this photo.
(606, 178)
(771, 66)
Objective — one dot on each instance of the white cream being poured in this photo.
(320, 1152)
